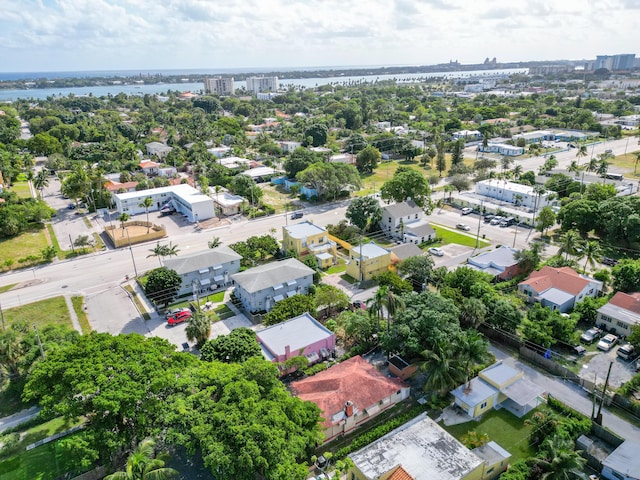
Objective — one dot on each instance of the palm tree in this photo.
(143, 464)
(506, 163)
(215, 242)
(393, 304)
(592, 166)
(573, 167)
(147, 203)
(591, 252)
(517, 171)
(581, 153)
(40, 181)
(568, 243)
(561, 461)
(603, 167)
(376, 305)
(635, 165)
(471, 350)
(122, 218)
(157, 251)
(441, 367)
(170, 250)
(198, 328)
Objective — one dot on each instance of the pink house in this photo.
(298, 336)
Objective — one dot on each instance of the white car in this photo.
(463, 226)
(607, 342)
(438, 252)
(466, 210)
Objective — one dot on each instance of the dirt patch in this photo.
(214, 222)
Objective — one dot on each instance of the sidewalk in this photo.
(18, 418)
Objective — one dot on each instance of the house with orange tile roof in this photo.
(621, 314)
(559, 288)
(349, 394)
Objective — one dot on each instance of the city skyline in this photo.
(77, 35)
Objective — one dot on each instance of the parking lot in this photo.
(597, 366)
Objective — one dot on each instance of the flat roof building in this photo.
(219, 85)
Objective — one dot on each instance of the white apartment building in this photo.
(219, 85)
(183, 198)
(262, 84)
(523, 195)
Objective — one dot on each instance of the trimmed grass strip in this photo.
(78, 307)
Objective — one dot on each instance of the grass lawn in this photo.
(502, 427)
(222, 312)
(52, 311)
(340, 267)
(25, 244)
(136, 300)
(627, 162)
(348, 278)
(78, 307)
(6, 288)
(46, 462)
(449, 236)
(277, 197)
(21, 189)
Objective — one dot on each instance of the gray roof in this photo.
(625, 459)
(500, 258)
(369, 250)
(406, 250)
(270, 274)
(196, 261)
(556, 296)
(402, 209)
(523, 391)
(303, 229)
(479, 392)
(298, 333)
(621, 314)
(419, 229)
(499, 373)
(423, 449)
(491, 453)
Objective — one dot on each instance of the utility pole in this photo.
(479, 222)
(39, 342)
(135, 270)
(598, 418)
(71, 241)
(2, 317)
(515, 235)
(361, 277)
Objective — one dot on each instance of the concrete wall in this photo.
(115, 234)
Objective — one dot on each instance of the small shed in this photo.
(400, 368)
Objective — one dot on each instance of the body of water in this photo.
(132, 89)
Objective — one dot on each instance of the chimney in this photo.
(348, 408)
(287, 352)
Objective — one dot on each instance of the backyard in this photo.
(502, 427)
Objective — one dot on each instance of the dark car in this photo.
(296, 215)
(71, 206)
(609, 261)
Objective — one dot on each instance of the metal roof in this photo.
(297, 333)
(184, 264)
(270, 274)
(625, 459)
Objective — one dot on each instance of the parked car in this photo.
(496, 220)
(590, 335)
(579, 350)
(608, 151)
(571, 145)
(179, 317)
(359, 304)
(296, 215)
(626, 351)
(609, 261)
(175, 311)
(438, 252)
(488, 218)
(71, 206)
(607, 342)
(463, 226)
(507, 222)
(466, 210)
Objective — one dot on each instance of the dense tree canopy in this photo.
(364, 212)
(407, 183)
(237, 346)
(162, 285)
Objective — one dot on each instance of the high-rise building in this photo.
(262, 84)
(624, 61)
(219, 85)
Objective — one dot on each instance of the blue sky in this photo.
(60, 35)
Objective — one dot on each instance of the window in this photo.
(484, 405)
(622, 325)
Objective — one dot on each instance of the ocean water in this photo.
(131, 89)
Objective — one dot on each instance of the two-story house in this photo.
(621, 314)
(405, 221)
(259, 288)
(206, 271)
(368, 260)
(306, 238)
(559, 288)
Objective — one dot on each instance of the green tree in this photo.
(473, 439)
(393, 282)
(299, 160)
(569, 242)
(237, 346)
(418, 270)
(364, 212)
(441, 368)
(215, 242)
(147, 203)
(581, 152)
(546, 219)
(626, 276)
(471, 349)
(123, 218)
(331, 179)
(407, 183)
(83, 241)
(162, 285)
(472, 312)
(559, 460)
(592, 252)
(41, 181)
(578, 214)
(330, 299)
(318, 133)
(164, 250)
(144, 464)
(289, 308)
(358, 327)
(457, 152)
(367, 159)
(198, 328)
(460, 182)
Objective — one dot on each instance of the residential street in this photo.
(570, 394)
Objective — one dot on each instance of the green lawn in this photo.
(46, 462)
(627, 162)
(21, 189)
(78, 307)
(502, 427)
(39, 432)
(25, 244)
(449, 236)
(52, 311)
(338, 268)
(221, 312)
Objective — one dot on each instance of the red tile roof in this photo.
(115, 186)
(149, 164)
(354, 380)
(565, 279)
(400, 474)
(628, 301)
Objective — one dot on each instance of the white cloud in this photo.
(144, 34)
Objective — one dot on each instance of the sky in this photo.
(76, 35)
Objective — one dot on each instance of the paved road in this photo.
(570, 394)
(18, 418)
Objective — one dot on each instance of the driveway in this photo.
(597, 367)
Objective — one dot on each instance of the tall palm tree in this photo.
(635, 165)
(592, 166)
(568, 243)
(517, 171)
(591, 251)
(198, 328)
(215, 242)
(471, 350)
(157, 251)
(122, 218)
(143, 464)
(441, 367)
(170, 250)
(393, 305)
(147, 203)
(40, 181)
(561, 460)
(581, 153)
(376, 305)
(603, 167)
(506, 163)
(573, 167)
